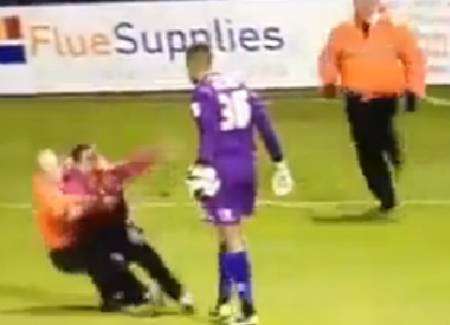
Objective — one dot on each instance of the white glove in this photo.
(202, 182)
(282, 182)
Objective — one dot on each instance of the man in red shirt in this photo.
(91, 174)
(61, 218)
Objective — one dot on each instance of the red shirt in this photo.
(106, 184)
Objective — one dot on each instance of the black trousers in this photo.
(376, 143)
(108, 272)
(106, 257)
(128, 240)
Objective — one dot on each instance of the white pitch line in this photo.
(150, 204)
(438, 101)
(268, 203)
(308, 204)
(326, 100)
(14, 205)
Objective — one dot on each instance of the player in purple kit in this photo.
(223, 178)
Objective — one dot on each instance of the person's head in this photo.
(84, 157)
(49, 164)
(198, 61)
(365, 9)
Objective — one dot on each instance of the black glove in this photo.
(329, 91)
(410, 101)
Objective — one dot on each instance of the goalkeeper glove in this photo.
(203, 182)
(282, 182)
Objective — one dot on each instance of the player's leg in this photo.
(381, 142)
(109, 271)
(238, 265)
(234, 201)
(365, 131)
(79, 260)
(69, 260)
(358, 118)
(102, 271)
(140, 251)
(223, 309)
(225, 281)
(124, 290)
(391, 139)
(377, 173)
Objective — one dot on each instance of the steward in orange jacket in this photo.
(375, 61)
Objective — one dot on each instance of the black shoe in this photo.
(187, 309)
(386, 212)
(121, 300)
(111, 306)
(214, 312)
(249, 320)
(388, 205)
(247, 309)
(187, 304)
(387, 208)
(222, 313)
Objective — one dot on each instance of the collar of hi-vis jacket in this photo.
(377, 17)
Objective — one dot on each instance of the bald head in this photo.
(365, 9)
(49, 163)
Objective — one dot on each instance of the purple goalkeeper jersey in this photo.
(227, 114)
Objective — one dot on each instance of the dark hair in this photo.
(199, 48)
(77, 151)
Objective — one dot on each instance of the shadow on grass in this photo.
(170, 312)
(93, 311)
(89, 310)
(153, 312)
(33, 293)
(370, 217)
(33, 297)
(40, 302)
(54, 310)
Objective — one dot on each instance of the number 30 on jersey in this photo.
(235, 110)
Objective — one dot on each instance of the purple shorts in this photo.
(236, 197)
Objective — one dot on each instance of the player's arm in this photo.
(137, 164)
(265, 128)
(414, 62)
(204, 110)
(282, 182)
(328, 65)
(202, 179)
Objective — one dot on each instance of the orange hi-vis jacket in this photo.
(386, 61)
(52, 208)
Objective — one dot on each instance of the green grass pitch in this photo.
(311, 265)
